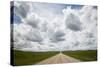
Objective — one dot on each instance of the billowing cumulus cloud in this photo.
(57, 36)
(32, 20)
(36, 37)
(44, 28)
(73, 22)
(21, 9)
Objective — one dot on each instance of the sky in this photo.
(53, 27)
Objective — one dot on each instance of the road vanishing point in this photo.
(58, 59)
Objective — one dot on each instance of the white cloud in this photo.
(21, 9)
(75, 30)
(73, 22)
(33, 20)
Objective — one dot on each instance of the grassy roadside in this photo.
(87, 55)
(29, 58)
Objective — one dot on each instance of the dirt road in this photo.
(59, 58)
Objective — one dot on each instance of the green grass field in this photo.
(29, 58)
(89, 55)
